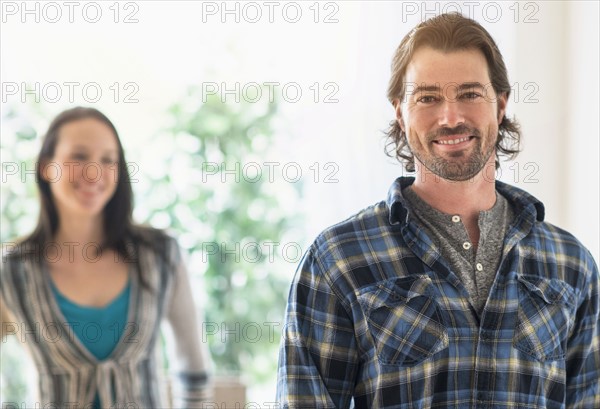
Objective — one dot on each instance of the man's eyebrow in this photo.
(458, 87)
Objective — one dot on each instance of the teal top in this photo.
(98, 328)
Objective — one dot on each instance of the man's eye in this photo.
(427, 99)
(108, 161)
(470, 95)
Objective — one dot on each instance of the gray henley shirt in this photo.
(475, 268)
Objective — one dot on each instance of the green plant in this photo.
(232, 220)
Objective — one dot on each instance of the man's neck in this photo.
(465, 198)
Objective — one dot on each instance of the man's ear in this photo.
(502, 102)
(398, 109)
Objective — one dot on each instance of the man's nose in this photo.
(451, 114)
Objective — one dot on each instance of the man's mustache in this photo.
(457, 130)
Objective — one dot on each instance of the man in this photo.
(454, 292)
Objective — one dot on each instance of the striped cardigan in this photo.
(70, 376)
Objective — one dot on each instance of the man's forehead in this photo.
(432, 66)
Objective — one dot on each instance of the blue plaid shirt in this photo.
(377, 319)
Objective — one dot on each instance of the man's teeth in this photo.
(454, 141)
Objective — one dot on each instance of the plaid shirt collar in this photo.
(521, 200)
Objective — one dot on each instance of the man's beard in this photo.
(464, 168)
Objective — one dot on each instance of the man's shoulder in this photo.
(557, 243)
(362, 226)
(543, 236)
(554, 232)
(344, 255)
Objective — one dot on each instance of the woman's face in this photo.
(83, 173)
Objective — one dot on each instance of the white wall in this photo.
(560, 53)
(582, 124)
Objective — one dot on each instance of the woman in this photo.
(89, 288)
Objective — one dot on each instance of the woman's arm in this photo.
(190, 363)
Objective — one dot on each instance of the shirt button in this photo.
(466, 245)
(479, 267)
(455, 218)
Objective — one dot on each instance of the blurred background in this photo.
(251, 126)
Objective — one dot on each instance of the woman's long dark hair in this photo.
(120, 233)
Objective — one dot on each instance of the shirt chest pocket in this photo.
(545, 317)
(403, 320)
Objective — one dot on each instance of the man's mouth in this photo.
(453, 141)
